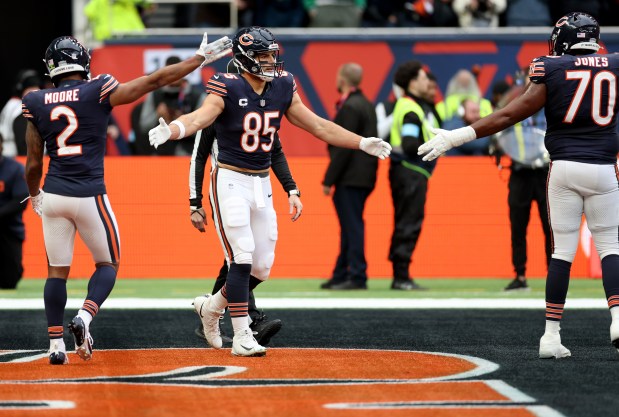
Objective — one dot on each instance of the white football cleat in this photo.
(83, 340)
(244, 344)
(550, 347)
(57, 353)
(209, 319)
(614, 334)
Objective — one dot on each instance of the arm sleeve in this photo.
(537, 71)
(280, 167)
(201, 149)
(412, 134)
(347, 117)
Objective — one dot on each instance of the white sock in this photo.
(614, 313)
(218, 301)
(552, 327)
(85, 315)
(240, 324)
(57, 344)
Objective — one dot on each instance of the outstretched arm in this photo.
(300, 116)
(530, 102)
(206, 54)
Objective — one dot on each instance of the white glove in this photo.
(213, 51)
(160, 134)
(444, 141)
(37, 202)
(375, 146)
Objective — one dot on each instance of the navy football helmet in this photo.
(574, 33)
(247, 44)
(66, 55)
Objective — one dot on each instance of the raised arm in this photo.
(206, 54)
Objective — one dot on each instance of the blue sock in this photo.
(557, 284)
(99, 288)
(610, 275)
(55, 299)
(237, 289)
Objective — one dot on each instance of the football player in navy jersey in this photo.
(70, 121)
(247, 110)
(577, 87)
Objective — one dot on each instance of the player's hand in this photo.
(444, 141)
(214, 50)
(160, 134)
(37, 202)
(296, 207)
(198, 219)
(375, 146)
(326, 190)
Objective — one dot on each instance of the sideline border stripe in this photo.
(322, 303)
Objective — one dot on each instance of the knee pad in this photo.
(262, 268)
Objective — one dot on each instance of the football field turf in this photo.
(328, 361)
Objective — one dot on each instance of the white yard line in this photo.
(323, 303)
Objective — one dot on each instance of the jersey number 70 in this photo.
(603, 79)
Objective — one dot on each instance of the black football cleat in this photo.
(81, 335)
(264, 329)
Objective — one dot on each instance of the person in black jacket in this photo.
(352, 176)
(205, 144)
(13, 190)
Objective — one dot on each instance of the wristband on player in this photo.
(294, 192)
(181, 128)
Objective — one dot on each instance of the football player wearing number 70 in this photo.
(71, 120)
(247, 110)
(578, 89)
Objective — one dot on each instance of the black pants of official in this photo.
(11, 268)
(525, 186)
(221, 280)
(408, 191)
(349, 204)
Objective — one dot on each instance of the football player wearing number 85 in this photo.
(70, 121)
(247, 110)
(577, 87)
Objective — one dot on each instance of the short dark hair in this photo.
(406, 72)
(171, 60)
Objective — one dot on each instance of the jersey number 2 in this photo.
(601, 79)
(61, 139)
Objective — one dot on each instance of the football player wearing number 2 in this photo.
(247, 109)
(71, 120)
(578, 89)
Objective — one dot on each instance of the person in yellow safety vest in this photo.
(408, 174)
(109, 16)
(462, 86)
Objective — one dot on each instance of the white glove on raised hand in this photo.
(375, 146)
(37, 202)
(215, 50)
(160, 134)
(444, 141)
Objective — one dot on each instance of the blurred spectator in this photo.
(27, 80)
(380, 13)
(279, 13)
(352, 175)
(431, 93)
(334, 13)
(428, 13)
(499, 89)
(528, 13)
(461, 86)
(109, 16)
(168, 102)
(479, 13)
(468, 113)
(559, 8)
(384, 113)
(13, 190)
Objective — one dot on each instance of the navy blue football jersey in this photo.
(581, 106)
(246, 128)
(72, 119)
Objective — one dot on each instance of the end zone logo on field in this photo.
(299, 382)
